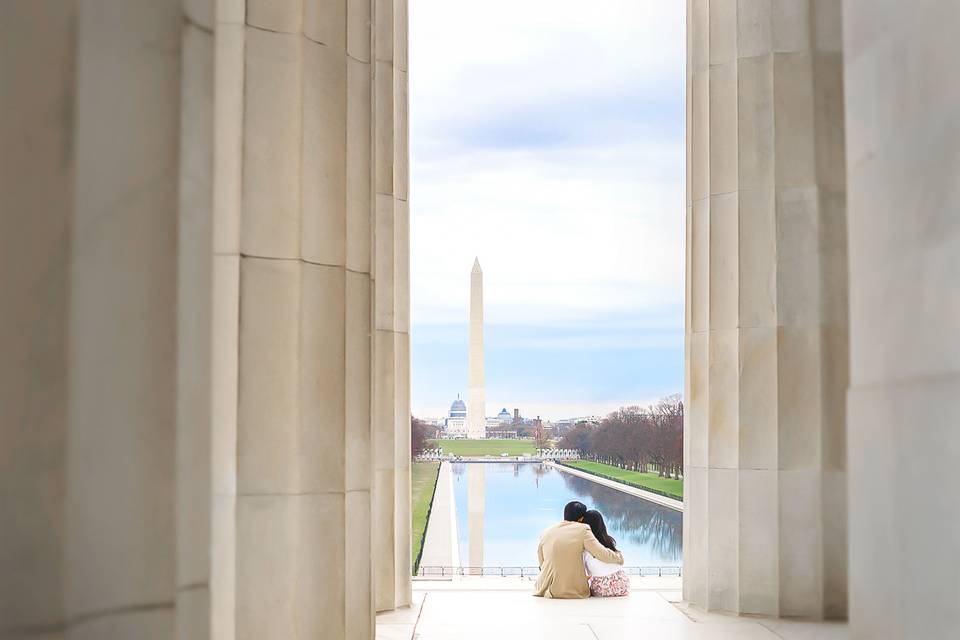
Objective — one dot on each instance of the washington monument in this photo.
(476, 409)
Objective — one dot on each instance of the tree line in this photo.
(636, 438)
(420, 433)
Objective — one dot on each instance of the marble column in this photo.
(765, 485)
(122, 352)
(193, 402)
(195, 333)
(36, 174)
(302, 239)
(391, 269)
(903, 164)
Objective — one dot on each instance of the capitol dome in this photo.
(458, 409)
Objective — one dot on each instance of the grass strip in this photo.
(647, 481)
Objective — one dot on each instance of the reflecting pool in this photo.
(503, 507)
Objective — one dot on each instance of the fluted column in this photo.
(765, 519)
(391, 515)
(194, 417)
(902, 101)
(303, 421)
(195, 286)
(121, 362)
(37, 65)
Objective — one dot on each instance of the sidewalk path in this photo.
(485, 608)
(619, 486)
(440, 547)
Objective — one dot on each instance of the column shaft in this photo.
(37, 70)
(303, 467)
(903, 148)
(121, 364)
(196, 412)
(195, 288)
(391, 354)
(766, 309)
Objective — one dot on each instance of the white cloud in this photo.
(547, 139)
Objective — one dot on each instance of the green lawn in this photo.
(423, 482)
(666, 486)
(489, 447)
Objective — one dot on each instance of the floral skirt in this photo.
(616, 584)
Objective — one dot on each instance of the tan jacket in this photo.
(560, 553)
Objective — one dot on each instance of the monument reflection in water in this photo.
(503, 507)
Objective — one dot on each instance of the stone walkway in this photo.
(619, 486)
(440, 547)
(504, 609)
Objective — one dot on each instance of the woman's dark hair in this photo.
(574, 511)
(599, 528)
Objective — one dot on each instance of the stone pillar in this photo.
(194, 324)
(36, 172)
(189, 369)
(391, 514)
(121, 362)
(903, 159)
(765, 521)
(303, 247)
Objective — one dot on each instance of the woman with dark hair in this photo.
(605, 579)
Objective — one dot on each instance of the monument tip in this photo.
(476, 265)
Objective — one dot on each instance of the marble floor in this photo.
(502, 609)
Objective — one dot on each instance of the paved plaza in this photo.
(503, 609)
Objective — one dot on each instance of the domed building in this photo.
(504, 417)
(456, 424)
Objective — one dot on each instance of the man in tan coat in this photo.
(562, 574)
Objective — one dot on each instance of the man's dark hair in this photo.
(574, 511)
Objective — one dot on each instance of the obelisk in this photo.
(476, 409)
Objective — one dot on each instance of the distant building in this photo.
(516, 416)
(504, 416)
(456, 423)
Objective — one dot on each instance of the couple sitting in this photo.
(578, 558)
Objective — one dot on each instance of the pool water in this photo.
(503, 507)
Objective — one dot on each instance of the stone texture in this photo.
(903, 159)
(764, 300)
(269, 15)
(268, 423)
(325, 21)
(188, 355)
(320, 445)
(228, 137)
(391, 313)
(324, 184)
(272, 136)
(358, 152)
(121, 359)
(36, 174)
(195, 282)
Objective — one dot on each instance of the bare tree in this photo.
(635, 438)
(419, 432)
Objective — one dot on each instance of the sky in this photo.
(547, 139)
